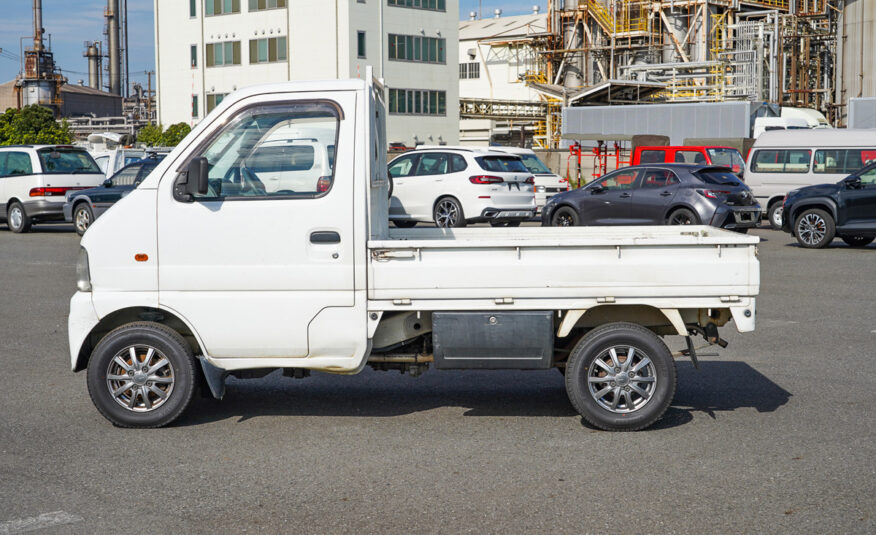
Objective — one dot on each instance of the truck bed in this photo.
(542, 265)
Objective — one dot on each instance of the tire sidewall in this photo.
(460, 222)
(174, 349)
(25, 224)
(82, 207)
(774, 210)
(694, 220)
(599, 340)
(571, 212)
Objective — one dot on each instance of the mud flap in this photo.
(215, 377)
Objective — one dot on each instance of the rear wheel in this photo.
(82, 218)
(621, 377)
(565, 216)
(404, 223)
(682, 216)
(857, 241)
(774, 214)
(814, 229)
(141, 375)
(448, 213)
(17, 219)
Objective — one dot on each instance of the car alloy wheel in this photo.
(82, 220)
(447, 213)
(140, 378)
(621, 379)
(812, 229)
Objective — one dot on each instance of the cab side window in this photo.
(274, 151)
(402, 166)
(652, 156)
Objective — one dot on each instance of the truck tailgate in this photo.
(579, 262)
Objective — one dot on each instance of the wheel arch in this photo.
(127, 315)
(660, 321)
(824, 203)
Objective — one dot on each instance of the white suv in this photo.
(453, 187)
(35, 179)
(547, 183)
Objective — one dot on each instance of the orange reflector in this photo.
(141, 257)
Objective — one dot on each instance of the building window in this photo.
(194, 106)
(360, 44)
(194, 55)
(193, 10)
(417, 102)
(221, 7)
(469, 70)
(227, 53)
(214, 100)
(261, 5)
(267, 50)
(436, 5)
(417, 48)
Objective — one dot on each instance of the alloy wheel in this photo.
(82, 220)
(811, 228)
(140, 378)
(622, 379)
(447, 214)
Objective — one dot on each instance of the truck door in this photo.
(250, 268)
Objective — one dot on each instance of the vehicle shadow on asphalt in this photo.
(717, 387)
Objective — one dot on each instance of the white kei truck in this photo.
(203, 272)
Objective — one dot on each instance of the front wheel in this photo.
(857, 241)
(17, 219)
(448, 213)
(621, 377)
(82, 218)
(815, 229)
(565, 217)
(141, 375)
(774, 214)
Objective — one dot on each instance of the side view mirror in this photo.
(198, 175)
(108, 183)
(852, 182)
(595, 190)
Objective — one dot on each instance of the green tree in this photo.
(33, 124)
(150, 135)
(174, 134)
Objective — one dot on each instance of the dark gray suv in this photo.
(671, 194)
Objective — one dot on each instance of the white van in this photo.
(781, 161)
(35, 179)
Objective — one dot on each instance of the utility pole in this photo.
(149, 96)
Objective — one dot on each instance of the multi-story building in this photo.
(205, 49)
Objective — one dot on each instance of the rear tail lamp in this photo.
(485, 179)
(713, 193)
(50, 192)
(530, 180)
(323, 184)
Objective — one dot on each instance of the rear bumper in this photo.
(505, 214)
(736, 217)
(44, 210)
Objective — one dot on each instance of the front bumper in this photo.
(82, 320)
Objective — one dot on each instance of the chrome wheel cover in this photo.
(811, 228)
(446, 214)
(622, 379)
(777, 216)
(82, 219)
(16, 217)
(140, 378)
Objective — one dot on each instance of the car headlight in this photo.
(83, 275)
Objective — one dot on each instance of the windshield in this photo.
(727, 158)
(501, 164)
(535, 165)
(720, 178)
(57, 161)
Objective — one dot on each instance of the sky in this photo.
(72, 22)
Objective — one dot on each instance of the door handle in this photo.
(325, 237)
(666, 194)
(625, 196)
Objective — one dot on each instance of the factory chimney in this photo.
(115, 53)
(38, 25)
(92, 53)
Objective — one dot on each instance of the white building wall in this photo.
(322, 44)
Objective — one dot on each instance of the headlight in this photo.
(83, 275)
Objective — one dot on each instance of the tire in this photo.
(141, 405)
(774, 215)
(17, 219)
(504, 223)
(682, 216)
(403, 223)
(448, 213)
(82, 217)
(814, 229)
(857, 241)
(565, 216)
(627, 403)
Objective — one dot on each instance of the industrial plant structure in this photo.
(801, 53)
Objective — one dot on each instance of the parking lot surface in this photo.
(775, 435)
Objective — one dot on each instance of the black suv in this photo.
(817, 214)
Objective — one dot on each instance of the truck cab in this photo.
(712, 155)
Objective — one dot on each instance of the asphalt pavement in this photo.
(776, 435)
